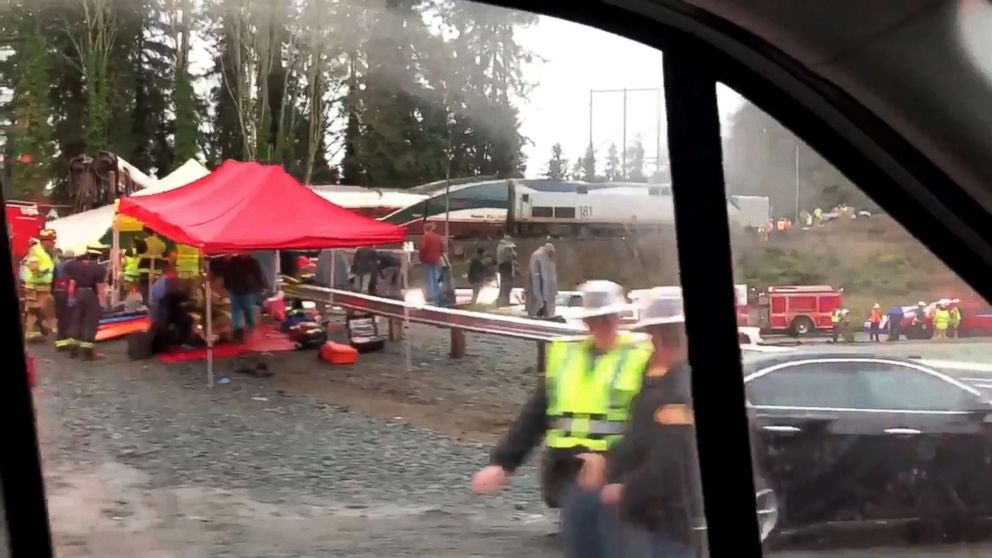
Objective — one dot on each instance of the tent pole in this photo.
(115, 264)
(278, 284)
(406, 314)
(210, 328)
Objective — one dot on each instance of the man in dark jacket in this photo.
(652, 472)
(245, 283)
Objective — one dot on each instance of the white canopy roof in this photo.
(90, 226)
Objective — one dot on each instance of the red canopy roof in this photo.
(248, 206)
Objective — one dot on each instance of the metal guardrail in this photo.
(478, 322)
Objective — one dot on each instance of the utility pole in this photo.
(660, 100)
(623, 165)
(797, 183)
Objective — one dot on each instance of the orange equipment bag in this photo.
(336, 353)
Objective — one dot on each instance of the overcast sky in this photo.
(576, 59)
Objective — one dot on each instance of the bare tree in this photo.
(93, 42)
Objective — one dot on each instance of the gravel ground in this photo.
(141, 459)
(250, 469)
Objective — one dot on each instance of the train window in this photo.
(542, 211)
(582, 189)
(654, 191)
(525, 198)
(564, 213)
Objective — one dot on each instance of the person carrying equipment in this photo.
(581, 407)
(651, 476)
(86, 294)
(37, 276)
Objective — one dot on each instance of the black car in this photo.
(848, 438)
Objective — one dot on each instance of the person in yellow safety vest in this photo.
(836, 320)
(39, 305)
(131, 264)
(818, 216)
(955, 318)
(581, 407)
(941, 321)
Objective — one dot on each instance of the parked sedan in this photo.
(846, 438)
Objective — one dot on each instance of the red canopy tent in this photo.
(248, 206)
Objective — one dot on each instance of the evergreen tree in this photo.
(634, 170)
(557, 166)
(589, 165)
(613, 170)
(31, 146)
(578, 170)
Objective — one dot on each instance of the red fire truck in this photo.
(24, 222)
(796, 310)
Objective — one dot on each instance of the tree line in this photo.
(385, 93)
(630, 168)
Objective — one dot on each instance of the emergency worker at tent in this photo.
(652, 471)
(542, 292)
(60, 291)
(37, 276)
(86, 294)
(581, 406)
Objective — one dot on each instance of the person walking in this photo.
(506, 264)
(836, 318)
(478, 272)
(365, 267)
(875, 323)
(87, 291)
(955, 318)
(60, 291)
(39, 306)
(941, 321)
(431, 259)
(895, 317)
(542, 291)
(651, 476)
(581, 407)
(244, 282)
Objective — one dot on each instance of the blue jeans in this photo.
(628, 541)
(432, 276)
(243, 310)
(583, 532)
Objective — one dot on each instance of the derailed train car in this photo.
(556, 208)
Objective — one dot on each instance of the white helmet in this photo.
(602, 298)
(660, 309)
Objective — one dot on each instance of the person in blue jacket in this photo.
(895, 322)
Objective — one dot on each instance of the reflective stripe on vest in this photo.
(589, 398)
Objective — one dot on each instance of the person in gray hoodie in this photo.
(506, 265)
(543, 288)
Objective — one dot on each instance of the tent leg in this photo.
(115, 265)
(278, 285)
(210, 333)
(405, 263)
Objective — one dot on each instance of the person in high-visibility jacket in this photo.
(941, 321)
(875, 323)
(955, 318)
(836, 320)
(39, 306)
(581, 407)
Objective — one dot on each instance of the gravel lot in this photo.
(141, 459)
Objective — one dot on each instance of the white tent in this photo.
(90, 226)
(189, 171)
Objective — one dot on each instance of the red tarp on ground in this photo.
(266, 339)
(249, 206)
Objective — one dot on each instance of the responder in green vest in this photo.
(37, 276)
(836, 320)
(581, 407)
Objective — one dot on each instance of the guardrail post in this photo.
(542, 348)
(457, 343)
(395, 329)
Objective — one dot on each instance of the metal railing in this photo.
(477, 322)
